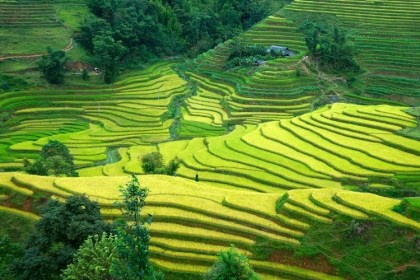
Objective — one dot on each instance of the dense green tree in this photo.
(133, 236)
(94, 259)
(155, 28)
(55, 160)
(312, 32)
(52, 66)
(9, 252)
(89, 29)
(59, 233)
(108, 53)
(329, 43)
(230, 265)
(103, 8)
(152, 163)
(172, 167)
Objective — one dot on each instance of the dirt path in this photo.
(6, 57)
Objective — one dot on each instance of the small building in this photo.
(280, 50)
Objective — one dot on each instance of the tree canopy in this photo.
(133, 238)
(147, 29)
(94, 259)
(61, 230)
(55, 160)
(231, 264)
(52, 66)
(330, 44)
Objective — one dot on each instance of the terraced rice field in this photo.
(90, 121)
(321, 149)
(255, 95)
(377, 27)
(29, 27)
(192, 221)
(252, 136)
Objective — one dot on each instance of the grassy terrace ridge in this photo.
(193, 219)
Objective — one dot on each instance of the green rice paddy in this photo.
(271, 164)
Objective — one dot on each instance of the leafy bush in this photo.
(132, 244)
(231, 264)
(330, 44)
(55, 160)
(52, 66)
(152, 163)
(59, 233)
(94, 259)
(246, 55)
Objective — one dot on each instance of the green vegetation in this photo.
(93, 260)
(153, 164)
(52, 66)
(231, 264)
(309, 165)
(330, 43)
(55, 160)
(132, 245)
(52, 246)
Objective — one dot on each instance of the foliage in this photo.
(231, 264)
(409, 207)
(154, 28)
(16, 226)
(59, 233)
(52, 66)
(172, 167)
(133, 236)
(55, 160)
(90, 28)
(152, 163)
(9, 253)
(246, 55)
(8, 83)
(108, 53)
(352, 245)
(94, 259)
(85, 75)
(330, 44)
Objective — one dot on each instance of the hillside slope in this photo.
(193, 221)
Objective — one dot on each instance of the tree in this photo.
(133, 238)
(59, 233)
(94, 259)
(172, 167)
(55, 160)
(9, 253)
(152, 163)
(52, 66)
(108, 53)
(230, 265)
(330, 44)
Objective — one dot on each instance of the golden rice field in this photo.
(192, 220)
(272, 164)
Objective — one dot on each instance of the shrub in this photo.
(55, 160)
(231, 264)
(152, 163)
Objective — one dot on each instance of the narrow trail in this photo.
(24, 56)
